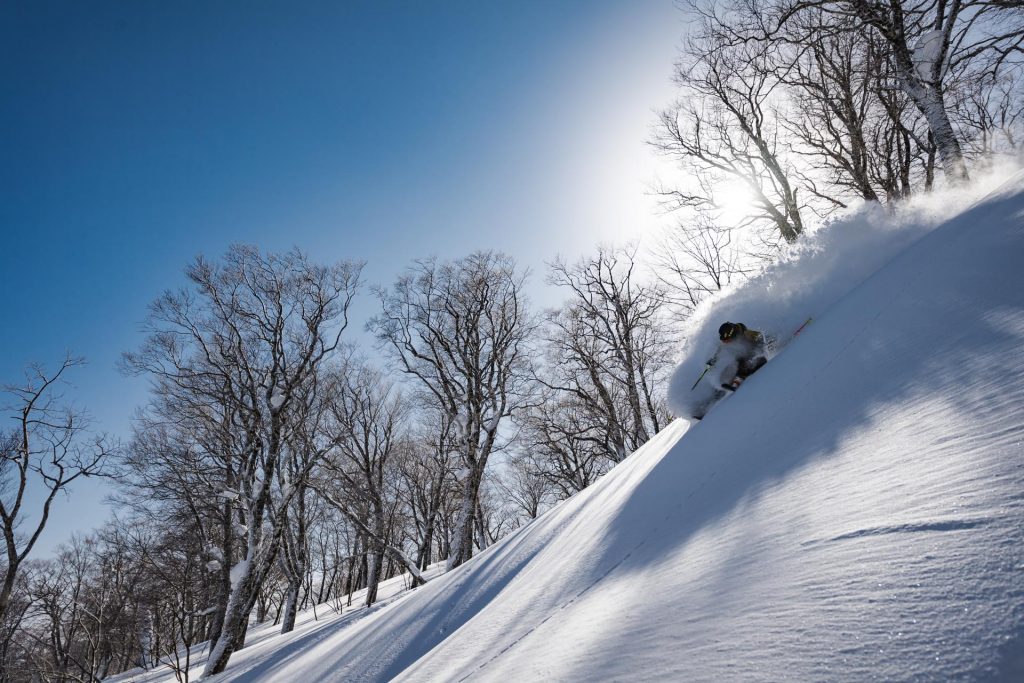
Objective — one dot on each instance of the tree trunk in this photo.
(373, 562)
(223, 581)
(481, 531)
(931, 103)
(462, 543)
(241, 602)
(8, 585)
(349, 578)
(424, 554)
(375, 556)
(234, 622)
(145, 636)
(290, 606)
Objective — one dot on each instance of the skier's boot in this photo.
(733, 385)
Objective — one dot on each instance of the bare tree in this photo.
(297, 514)
(724, 128)
(990, 109)
(81, 623)
(175, 469)
(566, 445)
(50, 448)
(171, 606)
(460, 329)
(928, 43)
(247, 342)
(13, 658)
(429, 478)
(697, 258)
(497, 514)
(369, 433)
(328, 555)
(527, 490)
(607, 347)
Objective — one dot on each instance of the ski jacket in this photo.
(746, 345)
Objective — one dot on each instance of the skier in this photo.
(745, 348)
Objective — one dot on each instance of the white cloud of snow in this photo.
(812, 276)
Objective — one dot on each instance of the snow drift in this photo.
(855, 512)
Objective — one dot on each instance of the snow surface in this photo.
(855, 512)
(267, 637)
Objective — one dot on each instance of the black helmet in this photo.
(728, 331)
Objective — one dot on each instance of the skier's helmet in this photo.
(728, 331)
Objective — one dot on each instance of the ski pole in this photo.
(801, 328)
(706, 368)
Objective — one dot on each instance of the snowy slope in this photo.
(266, 639)
(854, 513)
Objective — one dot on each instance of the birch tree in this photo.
(928, 43)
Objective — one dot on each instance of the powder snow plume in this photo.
(814, 274)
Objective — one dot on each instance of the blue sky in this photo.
(138, 135)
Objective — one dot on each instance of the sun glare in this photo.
(735, 201)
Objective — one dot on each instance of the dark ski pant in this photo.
(742, 369)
